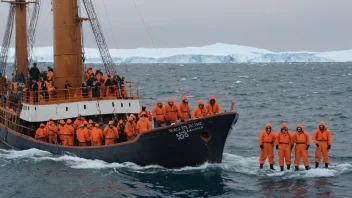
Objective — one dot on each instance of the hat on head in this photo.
(200, 102)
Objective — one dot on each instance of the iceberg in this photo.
(216, 53)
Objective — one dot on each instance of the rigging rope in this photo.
(156, 47)
(113, 36)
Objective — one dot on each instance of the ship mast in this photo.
(21, 35)
(21, 38)
(68, 63)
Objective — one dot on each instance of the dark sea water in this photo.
(292, 93)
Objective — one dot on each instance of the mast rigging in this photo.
(99, 38)
(32, 30)
(7, 39)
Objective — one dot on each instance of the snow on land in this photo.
(216, 53)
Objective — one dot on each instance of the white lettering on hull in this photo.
(182, 132)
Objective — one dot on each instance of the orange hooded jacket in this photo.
(143, 125)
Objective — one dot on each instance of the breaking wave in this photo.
(231, 163)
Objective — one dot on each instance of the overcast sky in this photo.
(277, 25)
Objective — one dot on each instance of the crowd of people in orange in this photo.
(285, 141)
(83, 133)
(95, 83)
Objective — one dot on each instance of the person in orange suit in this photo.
(52, 131)
(80, 135)
(83, 136)
(61, 130)
(133, 116)
(97, 135)
(41, 134)
(110, 133)
(302, 141)
(266, 142)
(213, 106)
(322, 138)
(284, 142)
(91, 125)
(157, 112)
(69, 133)
(78, 122)
(131, 129)
(124, 93)
(199, 111)
(143, 123)
(184, 110)
(170, 111)
(146, 111)
(86, 133)
(51, 87)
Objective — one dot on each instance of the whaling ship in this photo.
(188, 143)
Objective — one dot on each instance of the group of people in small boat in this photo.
(89, 133)
(285, 141)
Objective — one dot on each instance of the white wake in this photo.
(231, 163)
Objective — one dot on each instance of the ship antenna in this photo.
(157, 49)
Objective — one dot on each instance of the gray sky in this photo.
(277, 25)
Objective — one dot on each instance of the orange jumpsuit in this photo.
(302, 141)
(123, 92)
(143, 125)
(52, 132)
(198, 112)
(83, 136)
(90, 128)
(78, 123)
(41, 134)
(284, 141)
(69, 132)
(266, 140)
(110, 135)
(131, 130)
(213, 109)
(97, 136)
(158, 114)
(170, 112)
(323, 139)
(61, 133)
(146, 112)
(184, 111)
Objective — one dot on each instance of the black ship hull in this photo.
(187, 144)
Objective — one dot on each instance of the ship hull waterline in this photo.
(190, 143)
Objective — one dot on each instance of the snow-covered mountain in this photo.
(216, 53)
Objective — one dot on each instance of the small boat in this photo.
(189, 143)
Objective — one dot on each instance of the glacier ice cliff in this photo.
(216, 53)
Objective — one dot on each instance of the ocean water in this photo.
(293, 93)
